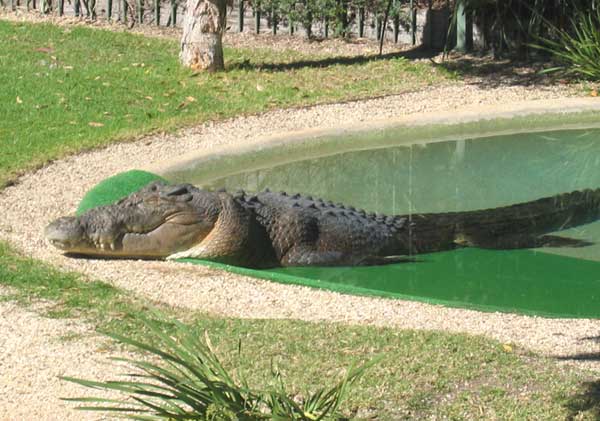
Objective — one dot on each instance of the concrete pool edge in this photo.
(477, 121)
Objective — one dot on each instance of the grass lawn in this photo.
(68, 89)
(65, 89)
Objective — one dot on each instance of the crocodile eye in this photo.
(176, 190)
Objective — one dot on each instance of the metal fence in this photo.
(412, 25)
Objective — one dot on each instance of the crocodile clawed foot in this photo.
(103, 242)
(181, 255)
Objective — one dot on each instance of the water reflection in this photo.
(438, 177)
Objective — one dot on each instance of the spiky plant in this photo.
(578, 49)
(189, 382)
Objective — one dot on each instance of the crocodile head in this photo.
(154, 222)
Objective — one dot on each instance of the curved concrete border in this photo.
(526, 116)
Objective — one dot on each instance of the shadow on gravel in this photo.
(592, 338)
(586, 356)
(413, 54)
(589, 356)
(588, 400)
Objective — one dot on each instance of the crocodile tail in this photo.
(522, 225)
(537, 217)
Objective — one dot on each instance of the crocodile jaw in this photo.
(67, 233)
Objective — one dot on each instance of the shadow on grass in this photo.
(488, 73)
(481, 71)
(413, 54)
(588, 400)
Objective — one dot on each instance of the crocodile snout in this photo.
(65, 233)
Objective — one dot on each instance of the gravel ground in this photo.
(36, 351)
(33, 355)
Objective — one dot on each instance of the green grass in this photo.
(64, 89)
(423, 374)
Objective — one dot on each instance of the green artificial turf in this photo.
(115, 188)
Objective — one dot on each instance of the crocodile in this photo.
(271, 229)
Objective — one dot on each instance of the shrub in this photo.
(577, 50)
(190, 382)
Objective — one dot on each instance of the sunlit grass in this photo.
(65, 89)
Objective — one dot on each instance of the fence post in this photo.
(396, 22)
(124, 10)
(61, 7)
(109, 5)
(173, 13)
(464, 34)
(413, 22)
(361, 22)
(257, 17)
(291, 23)
(43, 7)
(140, 11)
(157, 12)
(76, 7)
(241, 15)
(429, 19)
(92, 9)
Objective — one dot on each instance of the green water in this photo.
(452, 176)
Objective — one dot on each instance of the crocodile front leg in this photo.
(236, 239)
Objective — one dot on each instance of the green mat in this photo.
(521, 281)
(115, 188)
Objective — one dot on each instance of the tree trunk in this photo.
(201, 42)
